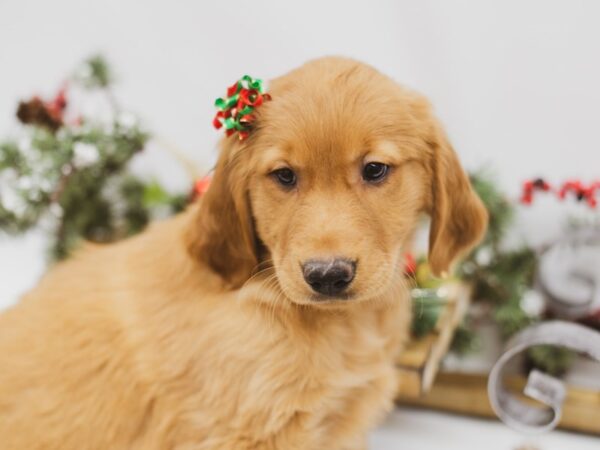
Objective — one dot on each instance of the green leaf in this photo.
(94, 73)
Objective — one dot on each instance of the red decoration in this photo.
(581, 191)
(410, 264)
(57, 105)
(200, 187)
(236, 111)
(44, 113)
(529, 187)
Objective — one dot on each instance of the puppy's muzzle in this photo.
(329, 277)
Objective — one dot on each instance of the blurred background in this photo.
(514, 82)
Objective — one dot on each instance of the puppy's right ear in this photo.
(221, 234)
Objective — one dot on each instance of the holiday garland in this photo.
(581, 191)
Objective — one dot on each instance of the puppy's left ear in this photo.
(458, 217)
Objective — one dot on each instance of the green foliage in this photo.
(75, 180)
(502, 277)
(427, 306)
(511, 318)
(95, 73)
(499, 276)
(550, 359)
(500, 210)
(465, 340)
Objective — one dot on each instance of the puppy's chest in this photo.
(307, 375)
(342, 358)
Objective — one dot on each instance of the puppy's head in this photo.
(330, 185)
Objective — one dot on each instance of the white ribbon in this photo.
(569, 274)
(544, 388)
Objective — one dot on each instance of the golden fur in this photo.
(200, 333)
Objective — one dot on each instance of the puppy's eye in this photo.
(286, 177)
(374, 172)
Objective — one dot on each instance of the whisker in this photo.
(257, 273)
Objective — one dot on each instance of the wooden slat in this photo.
(467, 394)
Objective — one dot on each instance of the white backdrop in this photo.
(515, 82)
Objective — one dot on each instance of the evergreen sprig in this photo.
(502, 277)
(73, 177)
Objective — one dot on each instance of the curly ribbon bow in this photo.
(237, 108)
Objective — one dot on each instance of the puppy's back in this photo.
(67, 364)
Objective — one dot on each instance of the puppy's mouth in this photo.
(326, 299)
(300, 295)
(330, 283)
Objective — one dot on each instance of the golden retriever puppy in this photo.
(269, 314)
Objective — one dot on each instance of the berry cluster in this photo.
(48, 114)
(581, 191)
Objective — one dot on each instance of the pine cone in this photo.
(35, 112)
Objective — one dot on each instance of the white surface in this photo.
(515, 82)
(411, 429)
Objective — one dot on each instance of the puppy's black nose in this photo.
(329, 277)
